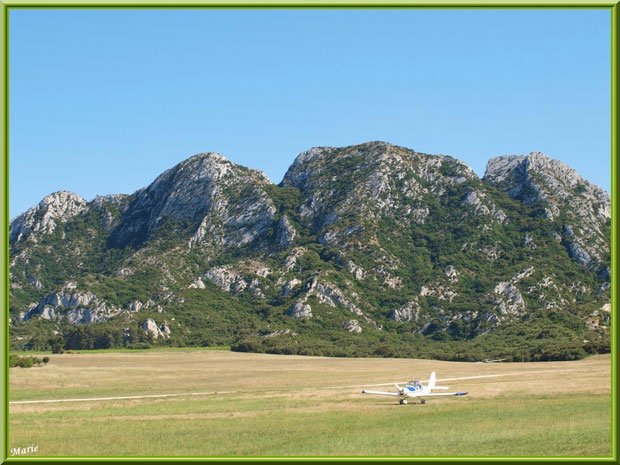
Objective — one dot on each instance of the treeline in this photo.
(85, 337)
(468, 352)
(544, 337)
(541, 341)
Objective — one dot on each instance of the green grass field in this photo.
(235, 404)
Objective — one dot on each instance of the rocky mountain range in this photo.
(371, 249)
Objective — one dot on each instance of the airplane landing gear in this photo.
(422, 401)
(403, 401)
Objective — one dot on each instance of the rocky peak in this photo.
(55, 208)
(324, 158)
(101, 201)
(204, 189)
(539, 179)
(367, 182)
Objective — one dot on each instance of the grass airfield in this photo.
(222, 403)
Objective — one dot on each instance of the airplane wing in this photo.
(444, 394)
(381, 393)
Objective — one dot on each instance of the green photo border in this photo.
(7, 5)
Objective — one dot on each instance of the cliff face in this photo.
(42, 219)
(370, 242)
(222, 202)
(366, 183)
(585, 209)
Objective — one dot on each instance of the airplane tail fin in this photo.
(431, 381)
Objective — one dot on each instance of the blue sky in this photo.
(102, 101)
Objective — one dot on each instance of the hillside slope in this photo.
(365, 250)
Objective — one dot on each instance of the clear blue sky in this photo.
(103, 101)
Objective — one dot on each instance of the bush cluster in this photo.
(26, 362)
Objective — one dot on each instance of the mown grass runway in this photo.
(256, 404)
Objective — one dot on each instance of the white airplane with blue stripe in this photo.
(416, 389)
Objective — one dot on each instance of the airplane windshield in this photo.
(414, 383)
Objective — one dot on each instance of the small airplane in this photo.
(416, 389)
(488, 360)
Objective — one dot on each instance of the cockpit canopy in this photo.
(413, 383)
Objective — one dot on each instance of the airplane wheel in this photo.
(403, 401)
(422, 401)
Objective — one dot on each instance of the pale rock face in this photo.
(226, 279)
(536, 178)
(118, 202)
(291, 259)
(197, 284)
(419, 214)
(298, 174)
(135, 306)
(165, 329)
(225, 201)
(125, 272)
(522, 275)
(290, 285)
(509, 300)
(84, 315)
(481, 205)
(579, 254)
(441, 292)
(58, 207)
(255, 288)
(230, 281)
(111, 199)
(352, 326)
(263, 272)
(547, 282)
(48, 313)
(408, 312)
(286, 232)
(507, 169)
(73, 306)
(329, 294)
(393, 282)
(528, 240)
(300, 310)
(492, 319)
(357, 271)
(150, 327)
(451, 273)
